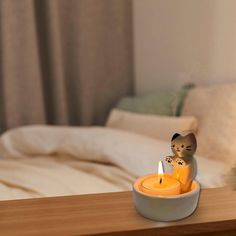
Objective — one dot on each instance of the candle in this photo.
(159, 184)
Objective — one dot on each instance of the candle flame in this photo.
(160, 171)
(160, 168)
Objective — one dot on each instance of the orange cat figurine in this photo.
(183, 162)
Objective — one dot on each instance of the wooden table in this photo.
(113, 214)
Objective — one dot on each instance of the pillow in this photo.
(161, 102)
(159, 127)
(215, 108)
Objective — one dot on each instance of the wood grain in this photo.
(113, 214)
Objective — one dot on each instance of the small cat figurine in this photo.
(183, 162)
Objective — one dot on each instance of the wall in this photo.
(185, 40)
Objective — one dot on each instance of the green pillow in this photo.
(162, 102)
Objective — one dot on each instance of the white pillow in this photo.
(159, 127)
(215, 109)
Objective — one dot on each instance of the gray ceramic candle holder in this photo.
(166, 208)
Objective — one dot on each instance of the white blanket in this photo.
(39, 161)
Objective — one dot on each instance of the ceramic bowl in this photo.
(166, 208)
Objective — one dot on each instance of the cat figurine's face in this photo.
(183, 146)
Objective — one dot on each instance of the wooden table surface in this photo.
(113, 214)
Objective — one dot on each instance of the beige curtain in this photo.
(63, 61)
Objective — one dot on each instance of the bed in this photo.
(45, 161)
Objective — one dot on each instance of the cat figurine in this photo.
(183, 162)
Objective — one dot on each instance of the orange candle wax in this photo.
(151, 184)
(158, 184)
(168, 185)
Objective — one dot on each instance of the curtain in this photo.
(63, 62)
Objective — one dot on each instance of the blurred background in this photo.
(91, 92)
(69, 62)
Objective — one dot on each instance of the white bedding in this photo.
(38, 161)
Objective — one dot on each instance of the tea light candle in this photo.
(159, 184)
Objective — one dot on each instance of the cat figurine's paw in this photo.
(169, 160)
(180, 162)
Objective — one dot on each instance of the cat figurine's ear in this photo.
(175, 136)
(192, 138)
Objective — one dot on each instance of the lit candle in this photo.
(159, 184)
